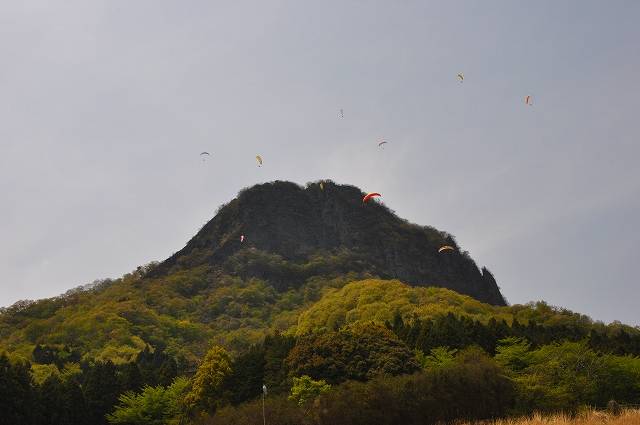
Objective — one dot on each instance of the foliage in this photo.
(380, 300)
(565, 376)
(358, 352)
(513, 354)
(431, 317)
(207, 386)
(462, 331)
(305, 389)
(180, 312)
(17, 395)
(101, 389)
(278, 410)
(247, 376)
(185, 309)
(438, 357)
(47, 354)
(156, 367)
(153, 406)
(470, 388)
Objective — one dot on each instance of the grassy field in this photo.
(627, 417)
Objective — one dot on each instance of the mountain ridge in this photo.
(297, 224)
(300, 244)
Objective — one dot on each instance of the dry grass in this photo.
(627, 417)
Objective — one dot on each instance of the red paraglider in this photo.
(368, 197)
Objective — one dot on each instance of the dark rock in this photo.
(294, 233)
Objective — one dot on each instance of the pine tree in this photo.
(17, 395)
(101, 390)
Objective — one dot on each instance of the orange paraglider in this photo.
(368, 197)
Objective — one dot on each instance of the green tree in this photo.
(129, 377)
(438, 357)
(156, 367)
(360, 352)
(75, 406)
(276, 349)
(52, 408)
(152, 406)
(305, 389)
(245, 382)
(17, 395)
(513, 354)
(619, 380)
(101, 389)
(559, 377)
(207, 387)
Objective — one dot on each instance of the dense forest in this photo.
(400, 355)
(334, 324)
(402, 372)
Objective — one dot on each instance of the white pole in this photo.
(264, 418)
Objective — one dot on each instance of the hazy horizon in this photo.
(106, 107)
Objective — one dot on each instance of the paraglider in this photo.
(259, 159)
(205, 153)
(341, 113)
(321, 186)
(527, 101)
(368, 197)
(446, 248)
(382, 143)
(461, 77)
(241, 238)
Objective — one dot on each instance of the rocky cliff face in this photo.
(294, 233)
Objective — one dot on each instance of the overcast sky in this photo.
(106, 105)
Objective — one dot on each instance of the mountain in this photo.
(300, 245)
(297, 228)
(321, 288)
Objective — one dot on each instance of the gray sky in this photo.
(105, 106)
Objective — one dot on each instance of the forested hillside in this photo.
(344, 312)
(263, 258)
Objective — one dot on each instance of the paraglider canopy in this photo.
(321, 186)
(259, 159)
(527, 100)
(446, 248)
(368, 197)
(241, 238)
(205, 153)
(461, 77)
(382, 143)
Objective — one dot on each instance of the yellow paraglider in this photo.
(259, 159)
(461, 77)
(446, 248)
(321, 186)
